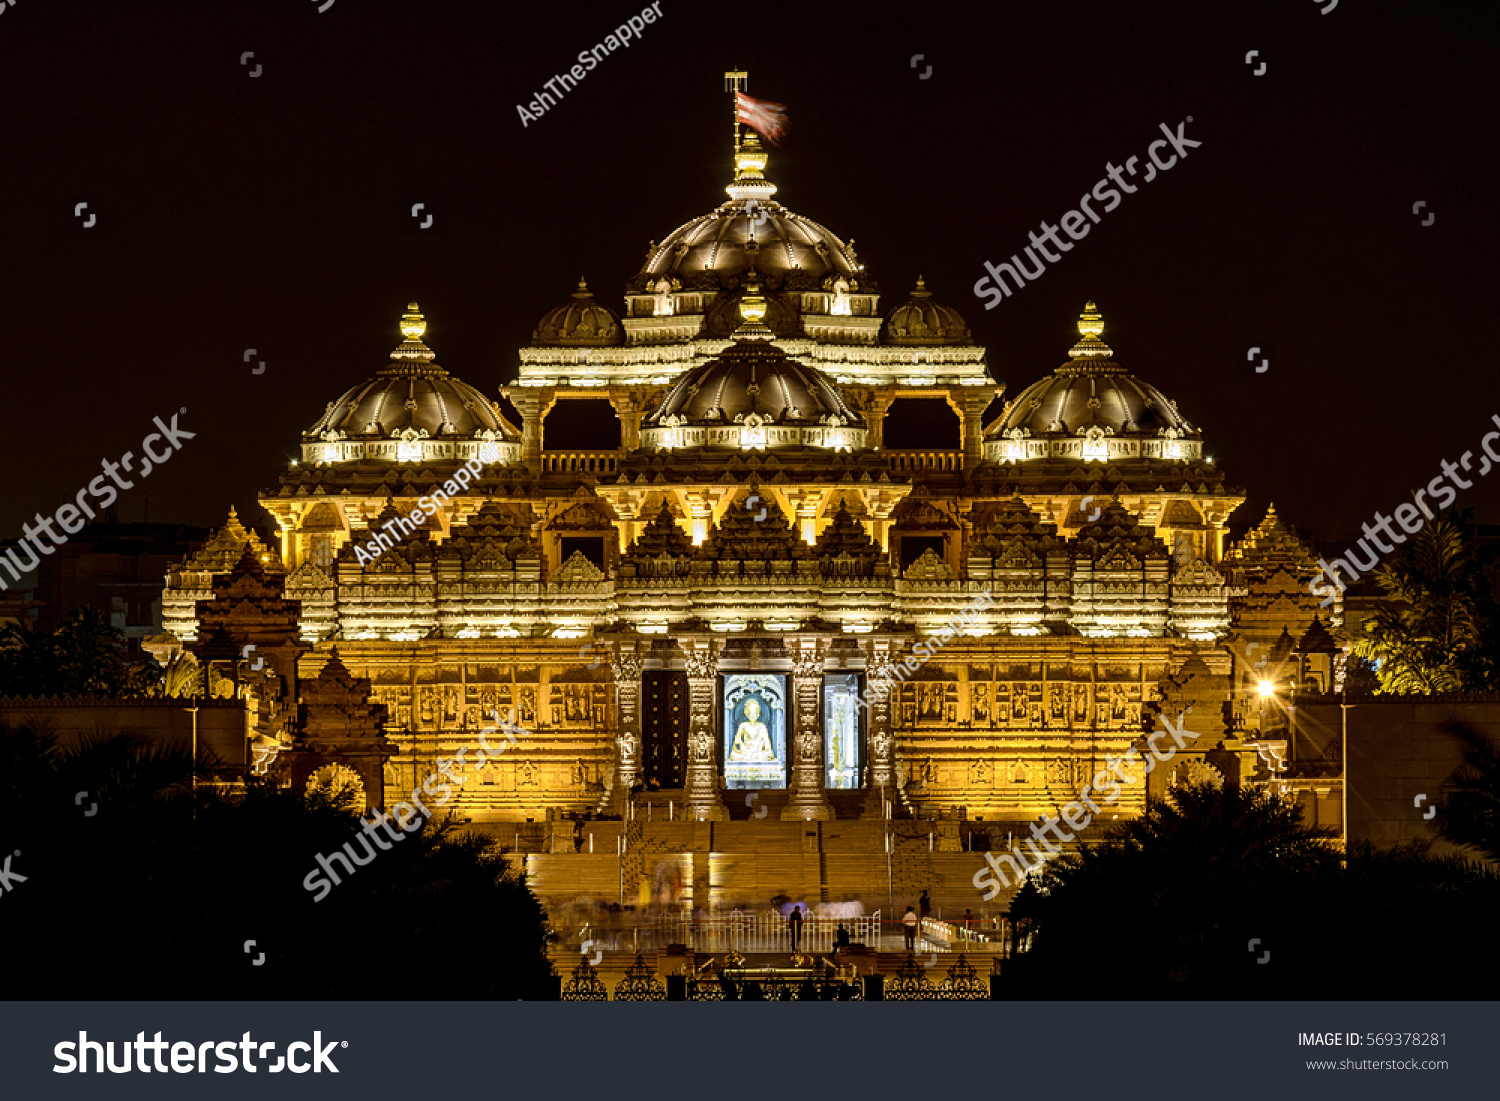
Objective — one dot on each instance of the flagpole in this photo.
(736, 80)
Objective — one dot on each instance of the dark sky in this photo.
(274, 212)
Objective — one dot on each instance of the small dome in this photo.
(580, 323)
(411, 410)
(1091, 408)
(922, 320)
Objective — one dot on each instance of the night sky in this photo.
(273, 212)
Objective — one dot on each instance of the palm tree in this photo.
(1433, 629)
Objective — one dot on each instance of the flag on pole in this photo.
(765, 118)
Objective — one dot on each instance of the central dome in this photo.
(752, 232)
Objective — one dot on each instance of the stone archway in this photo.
(337, 783)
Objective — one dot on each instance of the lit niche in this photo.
(1171, 447)
(754, 730)
(841, 306)
(752, 431)
(1013, 449)
(1095, 449)
(840, 730)
(409, 444)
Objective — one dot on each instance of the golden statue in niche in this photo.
(752, 741)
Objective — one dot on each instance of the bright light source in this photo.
(1267, 689)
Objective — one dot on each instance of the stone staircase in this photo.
(748, 861)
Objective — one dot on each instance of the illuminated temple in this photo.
(686, 626)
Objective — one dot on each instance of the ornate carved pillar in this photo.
(878, 684)
(628, 409)
(806, 799)
(627, 673)
(528, 403)
(975, 401)
(875, 411)
(703, 802)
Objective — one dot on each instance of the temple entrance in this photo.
(754, 730)
(664, 727)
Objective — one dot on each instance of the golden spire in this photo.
(753, 311)
(749, 165)
(1090, 325)
(413, 326)
(749, 156)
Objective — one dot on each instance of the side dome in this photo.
(580, 323)
(754, 396)
(1091, 409)
(923, 321)
(412, 411)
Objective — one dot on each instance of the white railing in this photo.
(950, 935)
(743, 931)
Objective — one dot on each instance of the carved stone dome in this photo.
(752, 232)
(753, 396)
(580, 323)
(411, 410)
(923, 320)
(1092, 409)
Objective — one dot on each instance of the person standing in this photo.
(794, 923)
(924, 906)
(910, 924)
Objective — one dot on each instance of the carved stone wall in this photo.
(440, 694)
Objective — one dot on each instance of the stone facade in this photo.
(1036, 597)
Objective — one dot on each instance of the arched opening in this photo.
(339, 784)
(922, 423)
(581, 424)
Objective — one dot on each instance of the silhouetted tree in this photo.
(155, 893)
(85, 656)
(1187, 900)
(1469, 813)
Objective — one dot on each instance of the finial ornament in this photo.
(413, 326)
(753, 311)
(1090, 325)
(412, 323)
